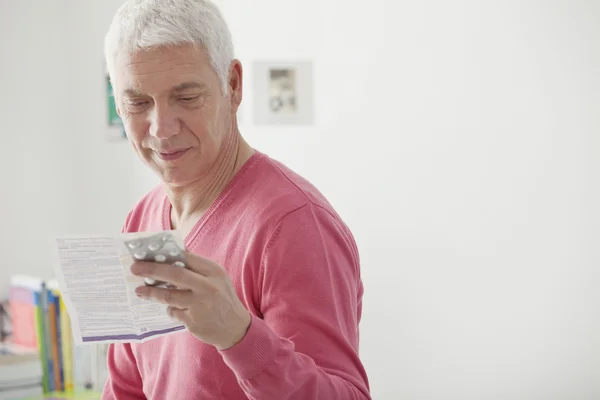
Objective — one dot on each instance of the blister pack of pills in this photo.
(161, 247)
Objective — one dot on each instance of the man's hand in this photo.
(204, 300)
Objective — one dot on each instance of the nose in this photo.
(164, 122)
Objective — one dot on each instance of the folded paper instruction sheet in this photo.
(94, 277)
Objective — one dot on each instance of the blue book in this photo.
(45, 297)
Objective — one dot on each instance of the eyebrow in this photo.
(179, 88)
(132, 93)
(188, 85)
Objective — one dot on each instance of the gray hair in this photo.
(141, 24)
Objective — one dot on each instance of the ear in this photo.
(236, 84)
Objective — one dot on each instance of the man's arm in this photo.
(124, 380)
(305, 346)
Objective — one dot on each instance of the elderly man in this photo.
(272, 294)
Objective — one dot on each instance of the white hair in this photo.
(141, 24)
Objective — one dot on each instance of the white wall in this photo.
(36, 135)
(459, 141)
(60, 175)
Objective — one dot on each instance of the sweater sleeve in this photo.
(124, 380)
(304, 346)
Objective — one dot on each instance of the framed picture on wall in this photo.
(116, 129)
(283, 93)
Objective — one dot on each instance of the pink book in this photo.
(23, 310)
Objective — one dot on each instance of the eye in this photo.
(189, 99)
(137, 104)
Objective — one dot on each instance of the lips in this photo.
(170, 155)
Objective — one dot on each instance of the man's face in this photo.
(174, 111)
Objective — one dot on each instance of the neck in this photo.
(192, 200)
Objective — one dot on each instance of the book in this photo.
(67, 347)
(23, 308)
(55, 334)
(43, 326)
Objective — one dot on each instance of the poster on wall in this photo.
(283, 93)
(116, 129)
(240, 114)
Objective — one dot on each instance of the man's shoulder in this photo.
(281, 194)
(293, 212)
(281, 190)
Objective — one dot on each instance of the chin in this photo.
(174, 179)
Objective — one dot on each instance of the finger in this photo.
(173, 297)
(178, 314)
(202, 266)
(183, 278)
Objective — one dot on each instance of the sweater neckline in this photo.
(193, 234)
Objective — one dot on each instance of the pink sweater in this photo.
(294, 265)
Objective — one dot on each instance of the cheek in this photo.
(197, 124)
(137, 128)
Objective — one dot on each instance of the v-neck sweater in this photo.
(294, 264)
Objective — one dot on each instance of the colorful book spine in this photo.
(67, 347)
(48, 337)
(23, 310)
(41, 339)
(53, 318)
(41, 313)
(58, 342)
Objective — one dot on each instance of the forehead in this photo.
(160, 69)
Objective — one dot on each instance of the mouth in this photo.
(171, 155)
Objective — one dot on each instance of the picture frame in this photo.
(283, 93)
(116, 128)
